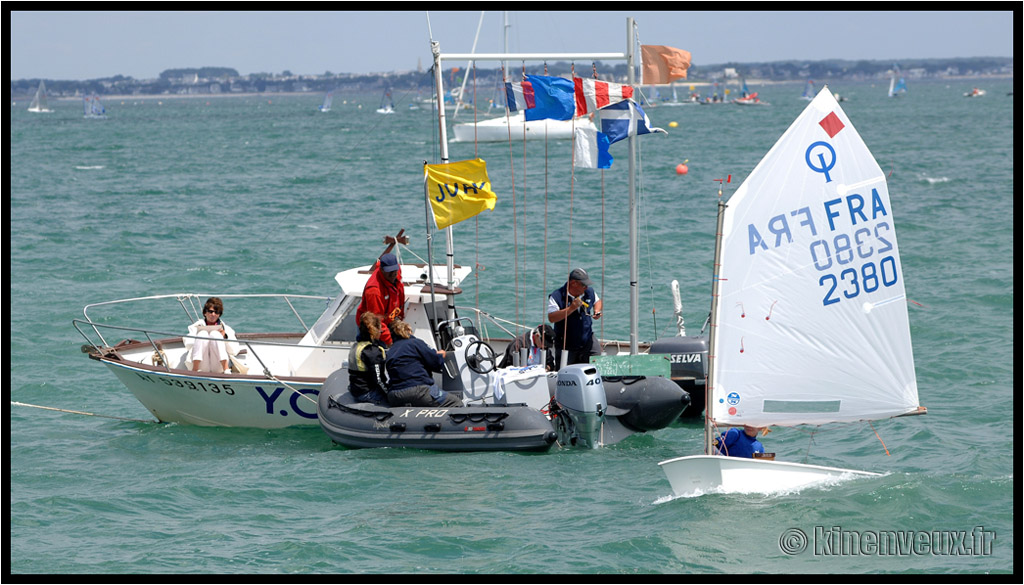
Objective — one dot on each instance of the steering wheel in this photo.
(478, 355)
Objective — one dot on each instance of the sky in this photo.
(66, 45)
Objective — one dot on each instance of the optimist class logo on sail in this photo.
(848, 236)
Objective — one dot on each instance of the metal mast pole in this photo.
(634, 289)
(435, 48)
(713, 335)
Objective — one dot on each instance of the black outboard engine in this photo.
(689, 361)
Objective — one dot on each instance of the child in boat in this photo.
(737, 443)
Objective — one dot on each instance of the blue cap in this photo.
(388, 263)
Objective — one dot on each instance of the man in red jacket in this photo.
(384, 294)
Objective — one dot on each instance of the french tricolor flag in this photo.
(519, 95)
(593, 94)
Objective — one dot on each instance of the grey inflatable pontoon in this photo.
(483, 427)
(506, 409)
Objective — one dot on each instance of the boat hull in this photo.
(220, 400)
(488, 427)
(497, 129)
(701, 474)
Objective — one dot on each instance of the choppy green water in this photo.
(266, 194)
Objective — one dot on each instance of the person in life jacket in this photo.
(574, 307)
(367, 377)
(384, 295)
(739, 443)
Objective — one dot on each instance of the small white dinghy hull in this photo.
(701, 474)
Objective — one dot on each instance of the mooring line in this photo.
(83, 413)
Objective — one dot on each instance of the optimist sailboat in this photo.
(39, 104)
(387, 104)
(897, 84)
(808, 93)
(809, 315)
(328, 98)
(93, 108)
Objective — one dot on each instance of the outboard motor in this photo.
(581, 405)
(689, 363)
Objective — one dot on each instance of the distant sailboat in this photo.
(675, 99)
(714, 97)
(326, 106)
(93, 108)
(39, 104)
(808, 93)
(387, 104)
(897, 84)
(747, 98)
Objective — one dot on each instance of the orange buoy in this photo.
(682, 169)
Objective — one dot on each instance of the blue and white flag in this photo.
(554, 98)
(591, 149)
(625, 119)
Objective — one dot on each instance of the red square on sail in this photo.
(832, 124)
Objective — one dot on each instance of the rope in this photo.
(879, 438)
(82, 413)
(266, 372)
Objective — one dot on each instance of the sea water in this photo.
(265, 194)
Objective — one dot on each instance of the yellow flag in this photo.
(458, 191)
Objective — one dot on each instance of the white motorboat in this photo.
(276, 377)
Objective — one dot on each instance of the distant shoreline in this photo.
(678, 85)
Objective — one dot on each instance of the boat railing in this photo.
(610, 346)
(192, 303)
(497, 321)
(153, 337)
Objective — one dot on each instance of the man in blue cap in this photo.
(384, 294)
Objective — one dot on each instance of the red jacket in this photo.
(383, 298)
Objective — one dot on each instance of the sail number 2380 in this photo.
(847, 259)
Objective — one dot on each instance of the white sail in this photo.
(812, 316)
(39, 103)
